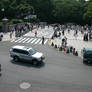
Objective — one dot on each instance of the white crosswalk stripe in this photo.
(29, 40)
(18, 39)
(12, 40)
(45, 41)
(37, 41)
(21, 40)
(26, 40)
(34, 40)
(40, 42)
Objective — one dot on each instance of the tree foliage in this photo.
(52, 11)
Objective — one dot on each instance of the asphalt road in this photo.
(59, 73)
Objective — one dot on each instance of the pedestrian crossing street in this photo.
(29, 40)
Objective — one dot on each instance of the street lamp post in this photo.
(3, 10)
(4, 21)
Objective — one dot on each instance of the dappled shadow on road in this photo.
(88, 64)
(26, 64)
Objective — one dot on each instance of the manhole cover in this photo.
(25, 85)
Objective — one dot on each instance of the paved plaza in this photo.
(46, 32)
(6, 36)
(75, 41)
(59, 72)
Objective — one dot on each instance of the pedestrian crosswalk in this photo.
(29, 40)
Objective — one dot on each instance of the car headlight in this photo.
(42, 57)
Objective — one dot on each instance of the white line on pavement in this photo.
(40, 42)
(37, 41)
(26, 40)
(18, 39)
(13, 40)
(30, 40)
(21, 40)
(34, 40)
(45, 41)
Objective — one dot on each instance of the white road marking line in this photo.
(37, 41)
(30, 40)
(13, 40)
(40, 42)
(18, 40)
(34, 40)
(26, 40)
(21, 40)
(45, 41)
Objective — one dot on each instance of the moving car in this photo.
(87, 56)
(26, 54)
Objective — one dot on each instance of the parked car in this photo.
(87, 56)
(27, 54)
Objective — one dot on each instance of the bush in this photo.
(15, 21)
(35, 20)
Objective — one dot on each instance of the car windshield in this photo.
(32, 51)
(88, 54)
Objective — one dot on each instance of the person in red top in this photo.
(35, 33)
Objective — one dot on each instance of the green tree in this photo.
(88, 14)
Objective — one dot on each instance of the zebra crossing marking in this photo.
(37, 41)
(18, 39)
(29, 40)
(34, 40)
(45, 41)
(21, 40)
(40, 42)
(13, 40)
(26, 40)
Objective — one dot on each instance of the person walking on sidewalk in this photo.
(1, 36)
(11, 34)
(43, 40)
(65, 41)
(35, 33)
(63, 32)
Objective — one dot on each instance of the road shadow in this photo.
(26, 64)
(88, 64)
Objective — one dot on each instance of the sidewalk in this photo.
(76, 42)
(6, 36)
(46, 32)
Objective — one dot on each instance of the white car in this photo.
(27, 54)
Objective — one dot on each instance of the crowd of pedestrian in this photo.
(86, 31)
(20, 28)
(60, 30)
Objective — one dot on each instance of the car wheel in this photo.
(16, 58)
(85, 62)
(89, 62)
(34, 62)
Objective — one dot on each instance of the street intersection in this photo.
(59, 73)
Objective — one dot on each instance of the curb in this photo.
(64, 50)
(9, 39)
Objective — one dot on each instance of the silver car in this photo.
(27, 54)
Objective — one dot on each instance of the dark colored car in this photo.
(87, 56)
